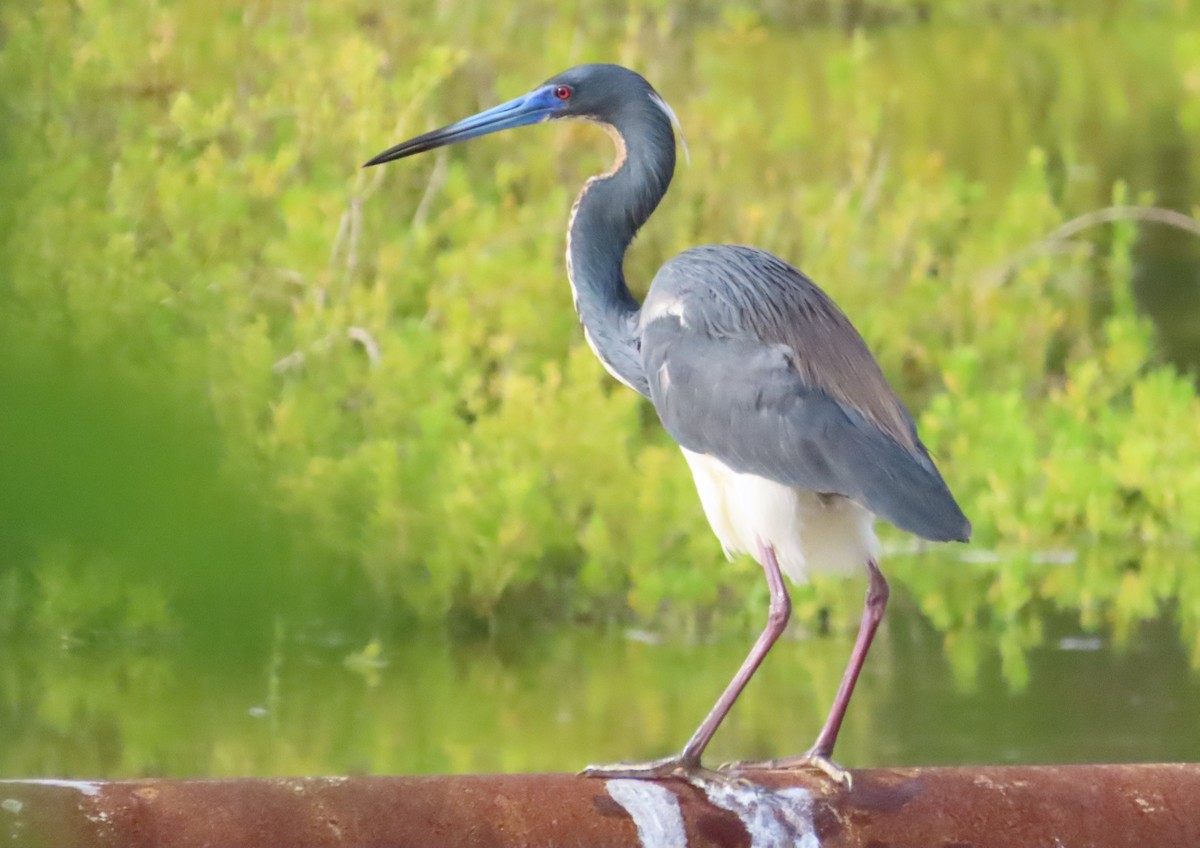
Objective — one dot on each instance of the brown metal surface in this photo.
(999, 807)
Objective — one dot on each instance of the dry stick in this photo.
(364, 338)
(437, 179)
(874, 186)
(355, 211)
(1111, 214)
(340, 237)
(1108, 215)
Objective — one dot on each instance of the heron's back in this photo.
(752, 364)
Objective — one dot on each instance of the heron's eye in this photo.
(563, 92)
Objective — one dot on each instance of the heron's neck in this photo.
(607, 214)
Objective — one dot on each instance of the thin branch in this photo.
(355, 227)
(342, 231)
(1057, 240)
(437, 179)
(291, 362)
(364, 338)
(1112, 214)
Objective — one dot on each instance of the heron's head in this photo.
(610, 94)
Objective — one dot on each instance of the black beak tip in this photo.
(400, 151)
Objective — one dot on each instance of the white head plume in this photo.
(670, 113)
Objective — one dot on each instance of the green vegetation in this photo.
(241, 374)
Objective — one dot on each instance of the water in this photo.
(323, 698)
(535, 702)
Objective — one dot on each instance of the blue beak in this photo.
(537, 106)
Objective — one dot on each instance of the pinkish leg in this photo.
(688, 761)
(877, 598)
(819, 755)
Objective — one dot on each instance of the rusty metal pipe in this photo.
(998, 807)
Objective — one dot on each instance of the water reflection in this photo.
(556, 702)
(1167, 269)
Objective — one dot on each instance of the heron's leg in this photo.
(687, 762)
(873, 609)
(819, 755)
(779, 612)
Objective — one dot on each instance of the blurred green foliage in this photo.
(382, 369)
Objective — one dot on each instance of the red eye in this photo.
(563, 92)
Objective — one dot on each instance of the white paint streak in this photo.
(811, 533)
(773, 819)
(654, 809)
(1145, 805)
(87, 787)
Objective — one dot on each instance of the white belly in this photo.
(810, 533)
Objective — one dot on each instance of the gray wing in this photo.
(751, 363)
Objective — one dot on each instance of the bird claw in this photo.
(810, 760)
(835, 772)
(668, 767)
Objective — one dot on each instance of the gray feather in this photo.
(749, 362)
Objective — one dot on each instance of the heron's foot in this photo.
(677, 766)
(809, 760)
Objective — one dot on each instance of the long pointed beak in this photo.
(538, 105)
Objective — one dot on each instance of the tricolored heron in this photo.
(793, 434)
